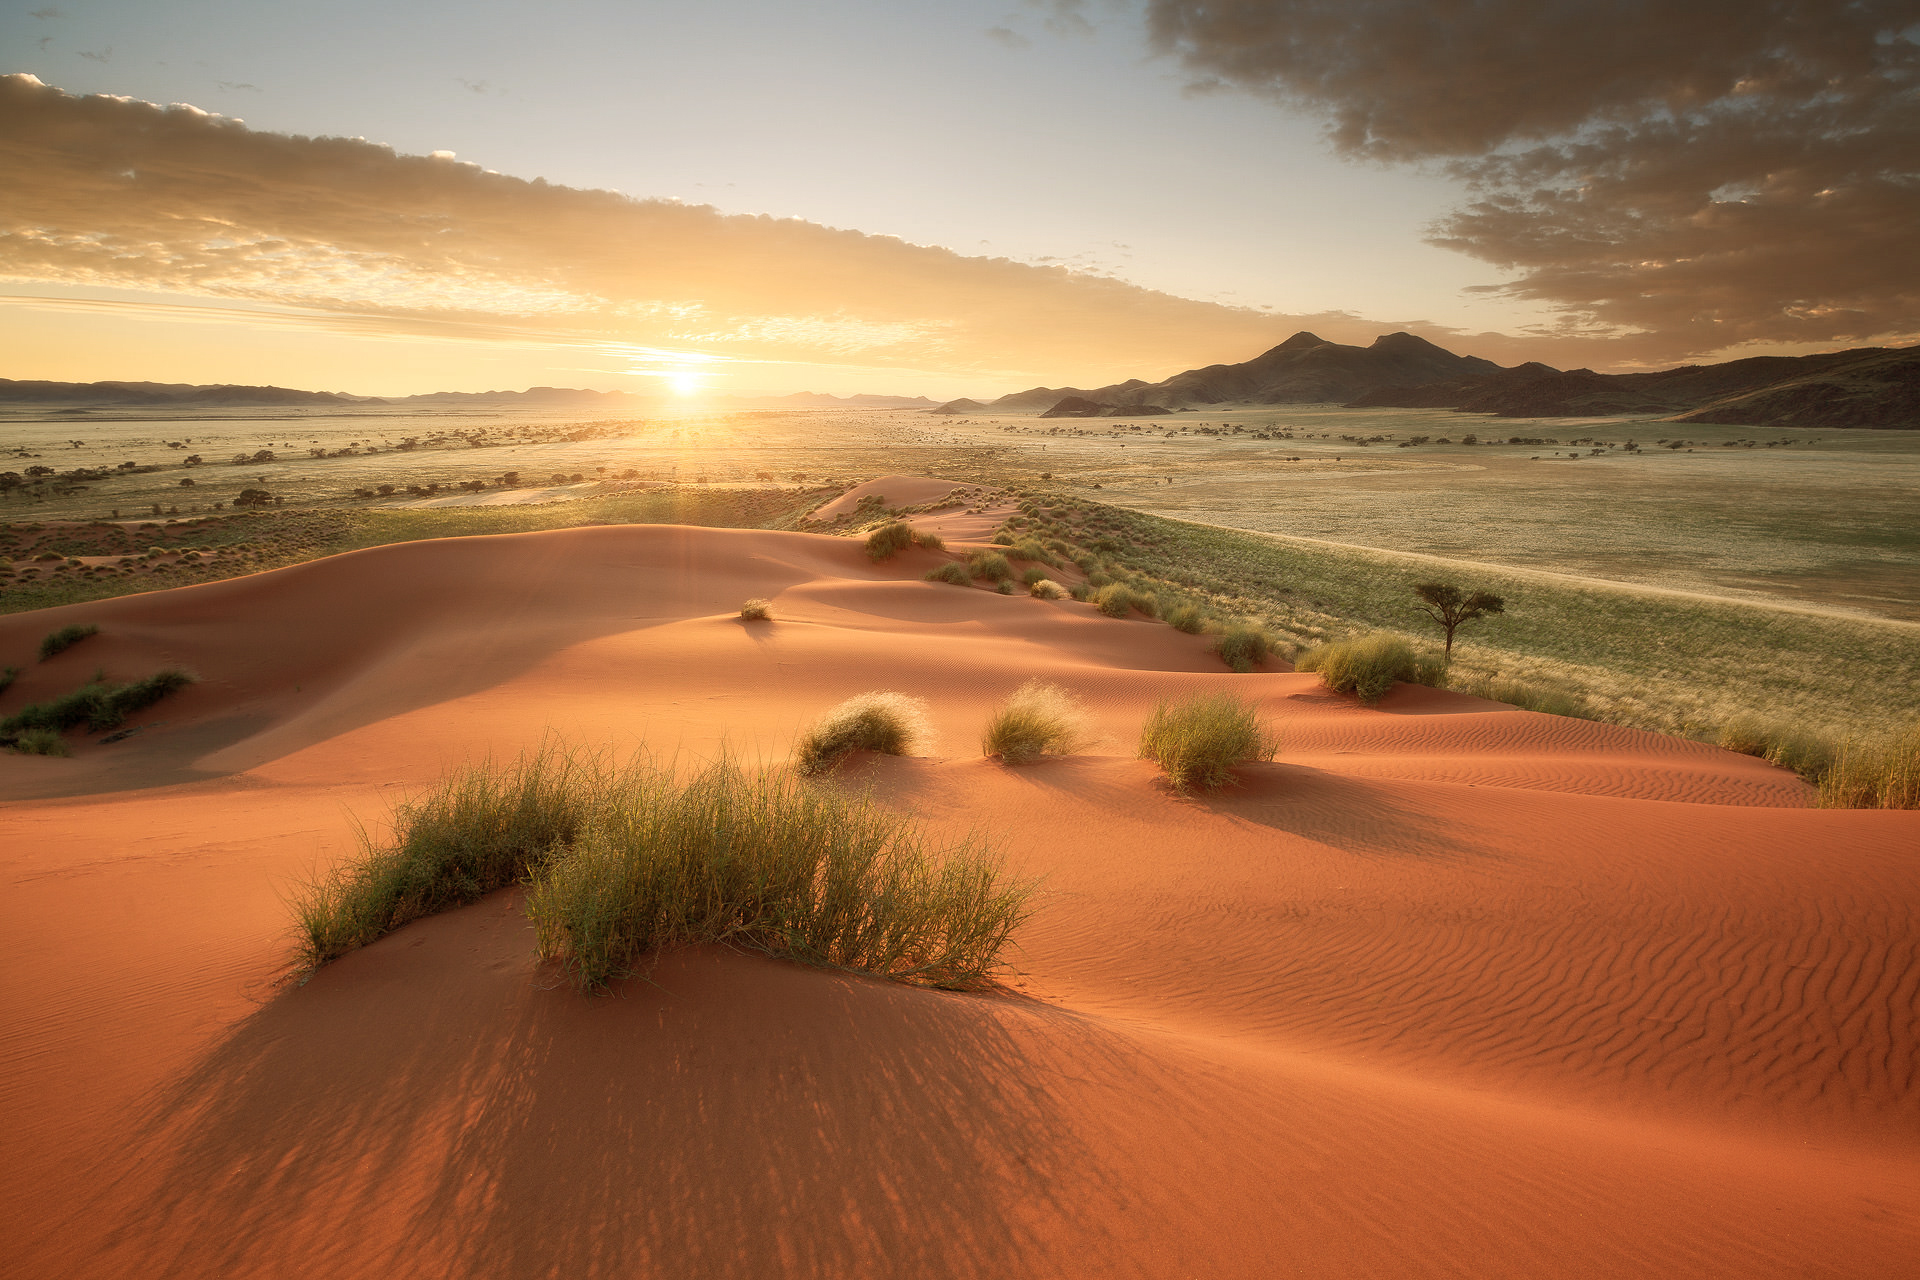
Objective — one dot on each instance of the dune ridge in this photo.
(1446, 989)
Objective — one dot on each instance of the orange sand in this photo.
(1448, 990)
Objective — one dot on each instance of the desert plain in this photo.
(1446, 988)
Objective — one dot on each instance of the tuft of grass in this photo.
(762, 861)
(952, 571)
(757, 610)
(7, 677)
(890, 723)
(1030, 549)
(990, 565)
(1241, 646)
(479, 829)
(40, 742)
(65, 638)
(1039, 719)
(928, 540)
(888, 539)
(1187, 617)
(1117, 600)
(1032, 575)
(1368, 666)
(98, 704)
(1197, 742)
(1804, 751)
(1879, 773)
(1046, 589)
(1547, 699)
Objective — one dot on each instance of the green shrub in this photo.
(1807, 753)
(890, 723)
(1029, 549)
(97, 704)
(1032, 575)
(928, 540)
(757, 610)
(1185, 616)
(990, 565)
(40, 742)
(1243, 647)
(1038, 719)
(1046, 589)
(1097, 578)
(7, 677)
(888, 539)
(1367, 666)
(1002, 539)
(952, 571)
(478, 830)
(1551, 700)
(765, 862)
(1117, 600)
(1004, 587)
(1874, 774)
(65, 638)
(1080, 591)
(1197, 742)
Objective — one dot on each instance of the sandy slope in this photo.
(1448, 989)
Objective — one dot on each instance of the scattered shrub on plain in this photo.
(890, 723)
(1197, 742)
(990, 565)
(1874, 773)
(1038, 719)
(1242, 647)
(1046, 589)
(65, 638)
(1804, 751)
(952, 571)
(763, 861)
(757, 610)
(888, 539)
(1367, 666)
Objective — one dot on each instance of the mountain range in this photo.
(185, 395)
(1866, 387)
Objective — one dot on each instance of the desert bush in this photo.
(763, 861)
(1080, 591)
(1038, 719)
(1804, 751)
(7, 677)
(1879, 773)
(890, 723)
(1367, 666)
(1002, 539)
(888, 539)
(928, 540)
(477, 830)
(1033, 574)
(40, 742)
(1242, 647)
(1185, 616)
(1097, 578)
(98, 704)
(1046, 589)
(1197, 742)
(1030, 549)
(1004, 587)
(757, 610)
(952, 571)
(65, 638)
(990, 565)
(1117, 600)
(1547, 699)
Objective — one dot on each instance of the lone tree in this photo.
(1449, 606)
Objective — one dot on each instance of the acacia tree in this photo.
(1449, 606)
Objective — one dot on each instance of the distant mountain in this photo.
(164, 394)
(962, 405)
(1305, 369)
(814, 400)
(1866, 387)
(531, 398)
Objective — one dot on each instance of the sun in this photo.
(684, 384)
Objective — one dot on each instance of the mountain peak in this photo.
(1301, 341)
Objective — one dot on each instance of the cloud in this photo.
(1008, 37)
(1682, 174)
(107, 192)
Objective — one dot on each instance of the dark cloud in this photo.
(1697, 172)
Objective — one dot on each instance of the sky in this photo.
(940, 197)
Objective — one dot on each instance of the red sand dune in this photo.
(1449, 989)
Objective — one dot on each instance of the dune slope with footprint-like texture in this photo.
(1446, 989)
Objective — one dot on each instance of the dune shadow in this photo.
(732, 1117)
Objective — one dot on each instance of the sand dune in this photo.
(1447, 989)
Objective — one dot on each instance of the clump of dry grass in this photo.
(1806, 752)
(1546, 698)
(889, 538)
(1241, 646)
(757, 610)
(890, 723)
(65, 638)
(1045, 589)
(1879, 773)
(1369, 666)
(953, 572)
(990, 565)
(1039, 719)
(1197, 742)
(1117, 600)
